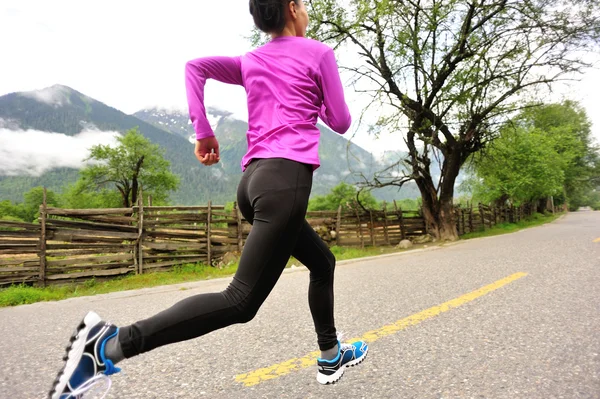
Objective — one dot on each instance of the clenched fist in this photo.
(207, 151)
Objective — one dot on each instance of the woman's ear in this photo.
(292, 10)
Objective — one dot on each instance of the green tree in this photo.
(34, 198)
(345, 195)
(521, 166)
(452, 71)
(10, 211)
(544, 151)
(409, 204)
(570, 129)
(29, 209)
(76, 196)
(135, 163)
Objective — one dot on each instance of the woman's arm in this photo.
(223, 69)
(334, 111)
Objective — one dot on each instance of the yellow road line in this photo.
(597, 240)
(278, 370)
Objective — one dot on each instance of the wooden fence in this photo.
(73, 244)
(471, 219)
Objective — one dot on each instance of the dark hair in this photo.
(269, 15)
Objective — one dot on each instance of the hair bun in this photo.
(269, 15)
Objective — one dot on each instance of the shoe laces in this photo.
(340, 337)
(91, 384)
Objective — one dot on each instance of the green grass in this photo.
(344, 253)
(22, 294)
(536, 219)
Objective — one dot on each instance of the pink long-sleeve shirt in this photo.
(289, 82)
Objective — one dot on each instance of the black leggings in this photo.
(273, 196)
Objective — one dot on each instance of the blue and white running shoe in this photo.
(348, 355)
(86, 366)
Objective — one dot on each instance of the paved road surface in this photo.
(531, 336)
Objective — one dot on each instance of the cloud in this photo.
(34, 152)
(10, 124)
(56, 95)
(172, 109)
(330, 178)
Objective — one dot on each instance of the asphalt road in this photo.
(435, 332)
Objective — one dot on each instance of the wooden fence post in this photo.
(140, 240)
(400, 220)
(149, 200)
(482, 215)
(362, 239)
(338, 226)
(385, 228)
(458, 219)
(471, 219)
(372, 230)
(425, 227)
(240, 227)
(208, 230)
(42, 253)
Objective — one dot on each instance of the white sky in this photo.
(130, 54)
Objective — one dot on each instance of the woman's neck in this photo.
(289, 30)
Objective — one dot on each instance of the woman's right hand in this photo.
(207, 151)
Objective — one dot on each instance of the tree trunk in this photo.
(439, 212)
(134, 180)
(541, 205)
(134, 191)
(126, 203)
(447, 227)
(124, 194)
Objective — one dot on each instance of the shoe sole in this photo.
(75, 353)
(335, 377)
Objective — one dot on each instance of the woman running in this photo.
(289, 82)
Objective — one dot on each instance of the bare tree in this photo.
(453, 71)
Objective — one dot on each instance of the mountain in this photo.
(341, 160)
(178, 121)
(60, 109)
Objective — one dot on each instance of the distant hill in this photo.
(340, 159)
(60, 109)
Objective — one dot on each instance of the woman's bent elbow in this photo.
(343, 126)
